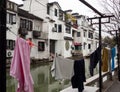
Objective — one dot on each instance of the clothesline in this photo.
(30, 42)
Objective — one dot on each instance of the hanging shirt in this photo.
(113, 54)
(105, 58)
(62, 68)
(20, 66)
(94, 58)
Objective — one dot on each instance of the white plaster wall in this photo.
(56, 35)
(38, 54)
(59, 47)
(67, 53)
(13, 28)
(36, 7)
(12, 35)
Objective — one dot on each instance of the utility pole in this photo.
(3, 45)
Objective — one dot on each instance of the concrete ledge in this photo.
(94, 78)
(86, 89)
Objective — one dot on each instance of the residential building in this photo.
(30, 27)
(88, 40)
(60, 34)
(51, 30)
(12, 27)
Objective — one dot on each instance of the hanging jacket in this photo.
(94, 58)
(79, 75)
(20, 66)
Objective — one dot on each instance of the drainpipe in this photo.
(3, 45)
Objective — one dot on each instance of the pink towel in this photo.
(20, 66)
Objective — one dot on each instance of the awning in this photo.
(76, 43)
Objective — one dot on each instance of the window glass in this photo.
(78, 34)
(41, 46)
(55, 12)
(60, 28)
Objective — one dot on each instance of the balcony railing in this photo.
(36, 34)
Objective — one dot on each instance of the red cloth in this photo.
(30, 43)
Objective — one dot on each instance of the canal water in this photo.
(43, 81)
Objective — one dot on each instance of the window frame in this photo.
(41, 46)
(25, 23)
(59, 28)
(55, 11)
(78, 34)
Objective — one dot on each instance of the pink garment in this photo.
(20, 66)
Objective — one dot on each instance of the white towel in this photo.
(62, 68)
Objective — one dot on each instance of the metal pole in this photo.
(118, 49)
(2, 45)
(118, 43)
(100, 62)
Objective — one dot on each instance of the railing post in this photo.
(109, 76)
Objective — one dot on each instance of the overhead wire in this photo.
(7, 28)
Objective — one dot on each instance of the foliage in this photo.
(112, 7)
(111, 42)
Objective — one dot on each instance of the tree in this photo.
(107, 41)
(112, 7)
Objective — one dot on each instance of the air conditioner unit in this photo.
(9, 54)
(36, 34)
(54, 29)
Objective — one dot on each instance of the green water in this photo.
(43, 81)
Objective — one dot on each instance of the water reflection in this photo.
(43, 81)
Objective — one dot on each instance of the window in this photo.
(55, 26)
(11, 18)
(78, 47)
(60, 28)
(89, 46)
(12, 6)
(55, 12)
(82, 23)
(10, 44)
(15, 8)
(84, 34)
(24, 23)
(78, 34)
(48, 9)
(60, 14)
(90, 35)
(84, 45)
(41, 46)
(68, 29)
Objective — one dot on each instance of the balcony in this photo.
(36, 34)
(75, 26)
